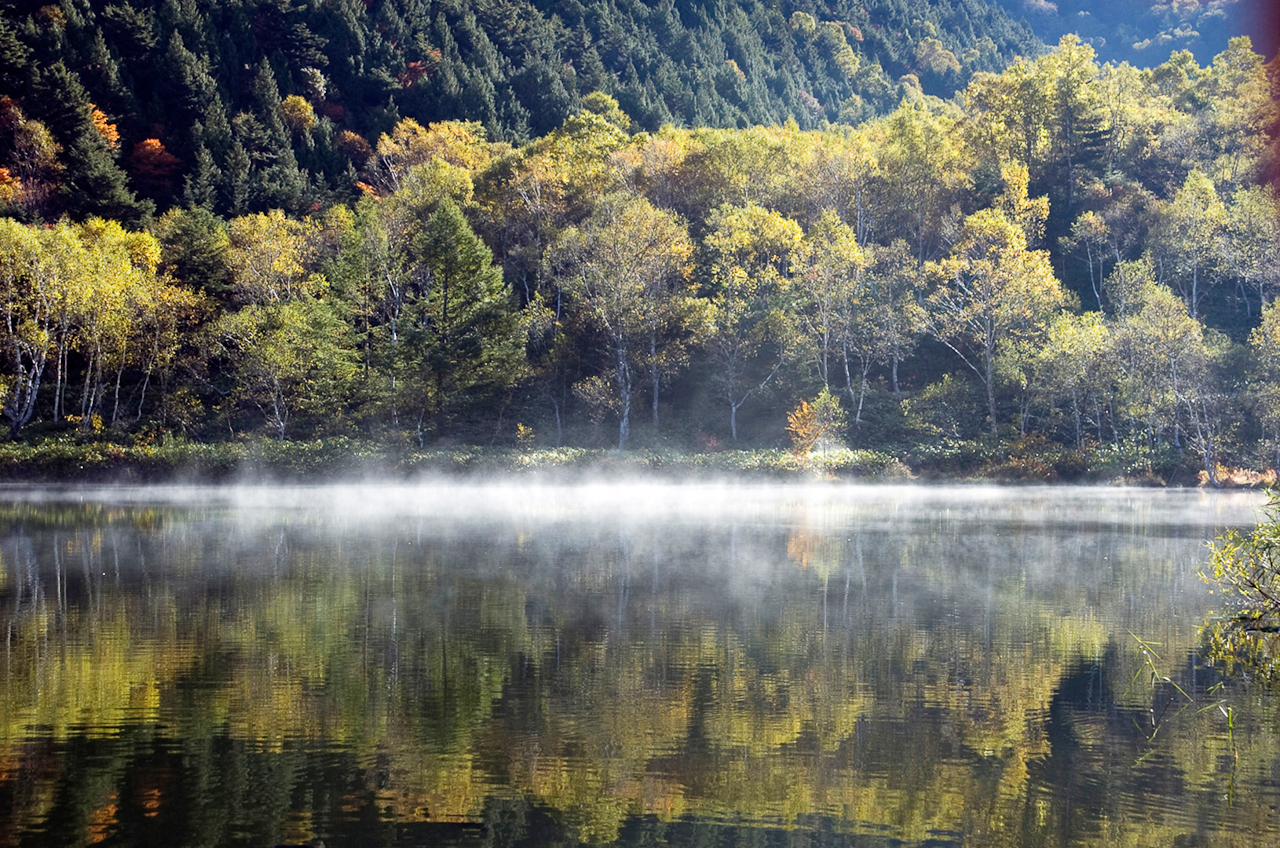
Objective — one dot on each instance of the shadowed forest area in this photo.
(1063, 270)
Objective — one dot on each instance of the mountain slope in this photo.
(1144, 32)
(274, 103)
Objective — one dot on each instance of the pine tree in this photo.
(93, 183)
(463, 337)
(276, 182)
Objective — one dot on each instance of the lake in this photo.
(685, 665)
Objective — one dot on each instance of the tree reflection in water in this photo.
(848, 668)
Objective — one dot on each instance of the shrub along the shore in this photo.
(69, 460)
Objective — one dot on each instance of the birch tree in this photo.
(750, 252)
(625, 268)
(989, 292)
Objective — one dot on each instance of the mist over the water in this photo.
(499, 500)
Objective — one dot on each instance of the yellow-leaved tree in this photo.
(285, 349)
(90, 289)
(992, 291)
(34, 289)
(810, 423)
(625, 269)
(750, 249)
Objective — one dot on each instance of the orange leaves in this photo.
(413, 72)
(354, 146)
(10, 187)
(154, 169)
(803, 426)
(808, 423)
(105, 128)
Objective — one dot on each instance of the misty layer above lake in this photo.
(864, 665)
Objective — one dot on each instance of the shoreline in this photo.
(347, 460)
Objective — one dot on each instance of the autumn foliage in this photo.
(154, 169)
(104, 127)
(810, 423)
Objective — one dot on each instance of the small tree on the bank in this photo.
(810, 423)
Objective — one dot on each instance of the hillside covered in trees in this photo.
(247, 107)
(1067, 266)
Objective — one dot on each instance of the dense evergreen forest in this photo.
(221, 225)
(247, 107)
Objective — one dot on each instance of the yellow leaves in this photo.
(993, 274)
(802, 425)
(95, 421)
(406, 145)
(809, 423)
(933, 57)
(606, 107)
(425, 186)
(991, 293)
(1029, 214)
(421, 168)
(624, 267)
(587, 135)
(757, 241)
(1073, 335)
(19, 251)
(832, 37)
(88, 287)
(803, 23)
(459, 146)
(661, 159)
(267, 257)
(297, 114)
(1164, 323)
(36, 153)
(108, 238)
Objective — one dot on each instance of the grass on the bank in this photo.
(70, 458)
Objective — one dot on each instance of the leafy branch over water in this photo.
(1247, 636)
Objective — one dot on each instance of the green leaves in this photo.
(288, 359)
(624, 269)
(990, 293)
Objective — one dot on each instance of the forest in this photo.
(252, 106)
(1063, 265)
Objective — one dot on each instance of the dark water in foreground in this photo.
(645, 666)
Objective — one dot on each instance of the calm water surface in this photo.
(640, 666)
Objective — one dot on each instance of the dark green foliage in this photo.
(95, 185)
(93, 182)
(275, 181)
(15, 59)
(194, 245)
(462, 337)
(180, 72)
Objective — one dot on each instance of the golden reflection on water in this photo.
(899, 663)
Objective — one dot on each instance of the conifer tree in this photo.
(463, 336)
